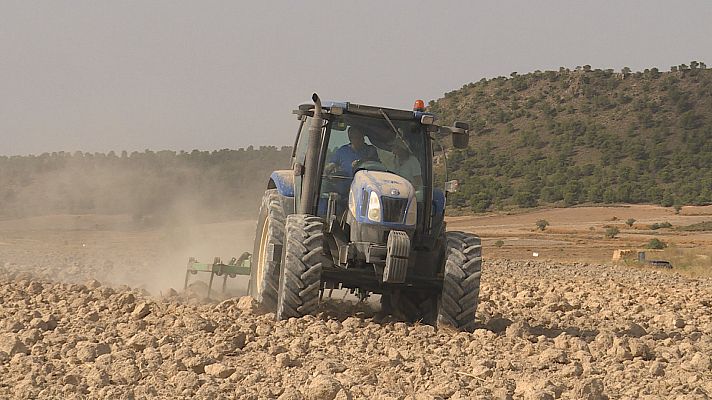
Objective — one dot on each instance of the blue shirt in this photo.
(345, 155)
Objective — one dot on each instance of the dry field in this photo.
(87, 311)
(578, 234)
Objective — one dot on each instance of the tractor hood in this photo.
(383, 198)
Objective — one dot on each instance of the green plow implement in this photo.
(236, 266)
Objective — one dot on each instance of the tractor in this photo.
(359, 210)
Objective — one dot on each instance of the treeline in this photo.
(584, 136)
(148, 185)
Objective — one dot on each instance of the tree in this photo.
(612, 232)
(525, 199)
(542, 224)
(630, 222)
(499, 243)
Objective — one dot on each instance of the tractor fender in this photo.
(283, 181)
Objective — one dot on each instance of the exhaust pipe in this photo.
(310, 181)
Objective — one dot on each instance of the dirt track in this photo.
(547, 329)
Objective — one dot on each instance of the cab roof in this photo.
(369, 111)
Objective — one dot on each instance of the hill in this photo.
(584, 136)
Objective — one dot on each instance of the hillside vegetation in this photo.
(584, 136)
(152, 186)
(556, 137)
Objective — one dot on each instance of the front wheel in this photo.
(461, 281)
(269, 238)
(304, 257)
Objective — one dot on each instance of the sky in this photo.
(132, 75)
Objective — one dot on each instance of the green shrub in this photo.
(499, 243)
(612, 232)
(542, 224)
(660, 225)
(656, 244)
(630, 222)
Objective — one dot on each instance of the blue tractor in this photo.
(359, 211)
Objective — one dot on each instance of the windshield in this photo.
(357, 142)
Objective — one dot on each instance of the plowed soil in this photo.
(91, 307)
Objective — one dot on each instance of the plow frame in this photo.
(235, 267)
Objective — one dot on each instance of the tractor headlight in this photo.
(374, 207)
(412, 216)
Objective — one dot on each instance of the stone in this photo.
(635, 330)
(590, 389)
(552, 356)
(142, 340)
(141, 310)
(219, 370)
(657, 368)
(86, 351)
(291, 394)
(283, 360)
(322, 388)
(572, 370)
(518, 329)
(185, 380)
(11, 344)
(701, 362)
(91, 316)
(247, 304)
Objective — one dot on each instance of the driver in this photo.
(345, 156)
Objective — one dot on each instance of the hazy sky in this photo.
(115, 75)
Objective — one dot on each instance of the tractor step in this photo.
(236, 266)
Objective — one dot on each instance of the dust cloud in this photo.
(123, 224)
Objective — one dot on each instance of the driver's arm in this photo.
(334, 163)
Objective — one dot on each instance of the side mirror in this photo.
(452, 186)
(460, 135)
(460, 140)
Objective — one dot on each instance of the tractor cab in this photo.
(389, 153)
(367, 147)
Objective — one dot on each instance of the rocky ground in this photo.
(548, 331)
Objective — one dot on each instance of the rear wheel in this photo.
(269, 240)
(461, 281)
(303, 259)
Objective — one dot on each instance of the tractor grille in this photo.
(393, 209)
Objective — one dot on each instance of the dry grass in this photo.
(692, 262)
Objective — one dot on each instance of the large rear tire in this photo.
(303, 259)
(270, 234)
(461, 281)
